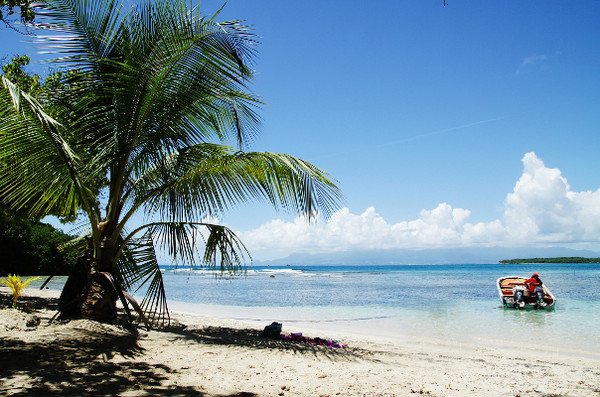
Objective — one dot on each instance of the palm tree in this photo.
(154, 116)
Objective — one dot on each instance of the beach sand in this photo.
(202, 356)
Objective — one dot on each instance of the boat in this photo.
(507, 286)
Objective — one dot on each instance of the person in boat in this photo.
(535, 288)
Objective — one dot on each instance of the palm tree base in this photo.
(87, 295)
(100, 301)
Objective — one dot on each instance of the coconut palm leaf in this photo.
(80, 31)
(208, 179)
(182, 88)
(138, 269)
(41, 171)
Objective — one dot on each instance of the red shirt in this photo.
(533, 282)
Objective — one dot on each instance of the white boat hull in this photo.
(507, 286)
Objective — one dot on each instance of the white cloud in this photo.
(541, 209)
(542, 206)
(533, 59)
(530, 61)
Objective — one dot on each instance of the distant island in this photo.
(569, 259)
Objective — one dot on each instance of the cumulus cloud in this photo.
(540, 209)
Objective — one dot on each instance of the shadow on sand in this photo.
(250, 338)
(75, 358)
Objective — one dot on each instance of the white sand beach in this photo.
(206, 356)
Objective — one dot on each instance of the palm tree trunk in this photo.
(88, 292)
(99, 299)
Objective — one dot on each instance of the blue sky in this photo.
(471, 124)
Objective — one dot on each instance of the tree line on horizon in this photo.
(566, 259)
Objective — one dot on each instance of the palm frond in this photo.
(40, 170)
(224, 250)
(208, 179)
(138, 269)
(82, 31)
(181, 82)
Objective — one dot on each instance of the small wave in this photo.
(203, 272)
(280, 271)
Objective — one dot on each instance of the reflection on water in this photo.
(526, 317)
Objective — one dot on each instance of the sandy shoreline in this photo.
(206, 356)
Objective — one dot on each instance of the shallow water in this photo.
(456, 303)
(451, 302)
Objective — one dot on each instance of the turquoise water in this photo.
(459, 303)
(456, 303)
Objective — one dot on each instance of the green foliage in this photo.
(15, 73)
(31, 247)
(30, 84)
(565, 259)
(43, 92)
(25, 8)
(16, 285)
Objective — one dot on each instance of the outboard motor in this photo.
(518, 293)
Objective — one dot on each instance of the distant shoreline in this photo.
(575, 259)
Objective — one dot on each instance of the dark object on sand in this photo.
(272, 331)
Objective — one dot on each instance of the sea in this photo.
(455, 303)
